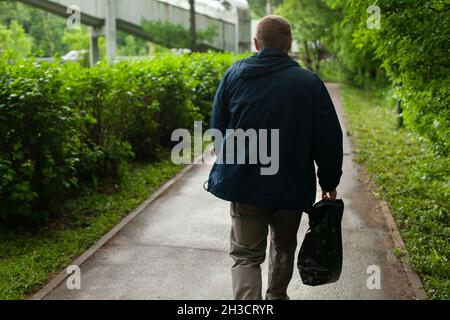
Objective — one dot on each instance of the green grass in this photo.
(411, 178)
(29, 258)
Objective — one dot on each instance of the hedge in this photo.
(65, 127)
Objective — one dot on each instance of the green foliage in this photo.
(326, 43)
(312, 23)
(414, 181)
(259, 8)
(91, 93)
(162, 102)
(38, 134)
(45, 29)
(413, 46)
(29, 257)
(15, 39)
(203, 73)
(66, 128)
(132, 46)
(172, 35)
(77, 39)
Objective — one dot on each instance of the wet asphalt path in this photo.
(177, 248)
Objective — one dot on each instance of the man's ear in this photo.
(257, 46)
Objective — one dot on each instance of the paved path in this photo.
(177, 248)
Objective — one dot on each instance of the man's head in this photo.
(273, 32)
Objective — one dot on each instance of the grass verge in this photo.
(411, 178)
(29, 258)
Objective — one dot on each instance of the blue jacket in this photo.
(271, 91)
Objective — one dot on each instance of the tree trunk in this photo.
(308, 59)
(399, 114)
(318, 56)
(193, 26)
(399, 109)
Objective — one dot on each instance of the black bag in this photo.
(320, 257)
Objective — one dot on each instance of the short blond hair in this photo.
(274, 32)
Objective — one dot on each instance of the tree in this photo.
(46, 29)
(326, 40)
(77, 39)
(312, 22)
(193, 25)
(132, 46)
(259, 7)
(410, 47)
(413, 46)
(172, 35)
(15, 39)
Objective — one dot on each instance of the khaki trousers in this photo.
(249, 231)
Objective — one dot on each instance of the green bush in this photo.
(38, 149)
(172, 100)
(413, 47)
(408, 51)
(93, 94)
(203, 73)
(66, 127)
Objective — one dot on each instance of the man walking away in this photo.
(271, 91)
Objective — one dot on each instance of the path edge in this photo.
(61, 276)
(413, 277)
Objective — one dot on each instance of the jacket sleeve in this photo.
(220, 112)
(327, 139)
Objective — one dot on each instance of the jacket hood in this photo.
(266, 62)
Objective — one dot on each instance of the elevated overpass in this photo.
(231, 18)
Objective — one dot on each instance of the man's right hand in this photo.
(329, 195)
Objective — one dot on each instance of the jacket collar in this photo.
(271, 52)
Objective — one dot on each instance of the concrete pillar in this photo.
(243, 29)
(111, 29)
(94, 51)
(269, 7)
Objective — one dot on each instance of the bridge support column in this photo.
(94, 51)
(243, 29)
(111, 29)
